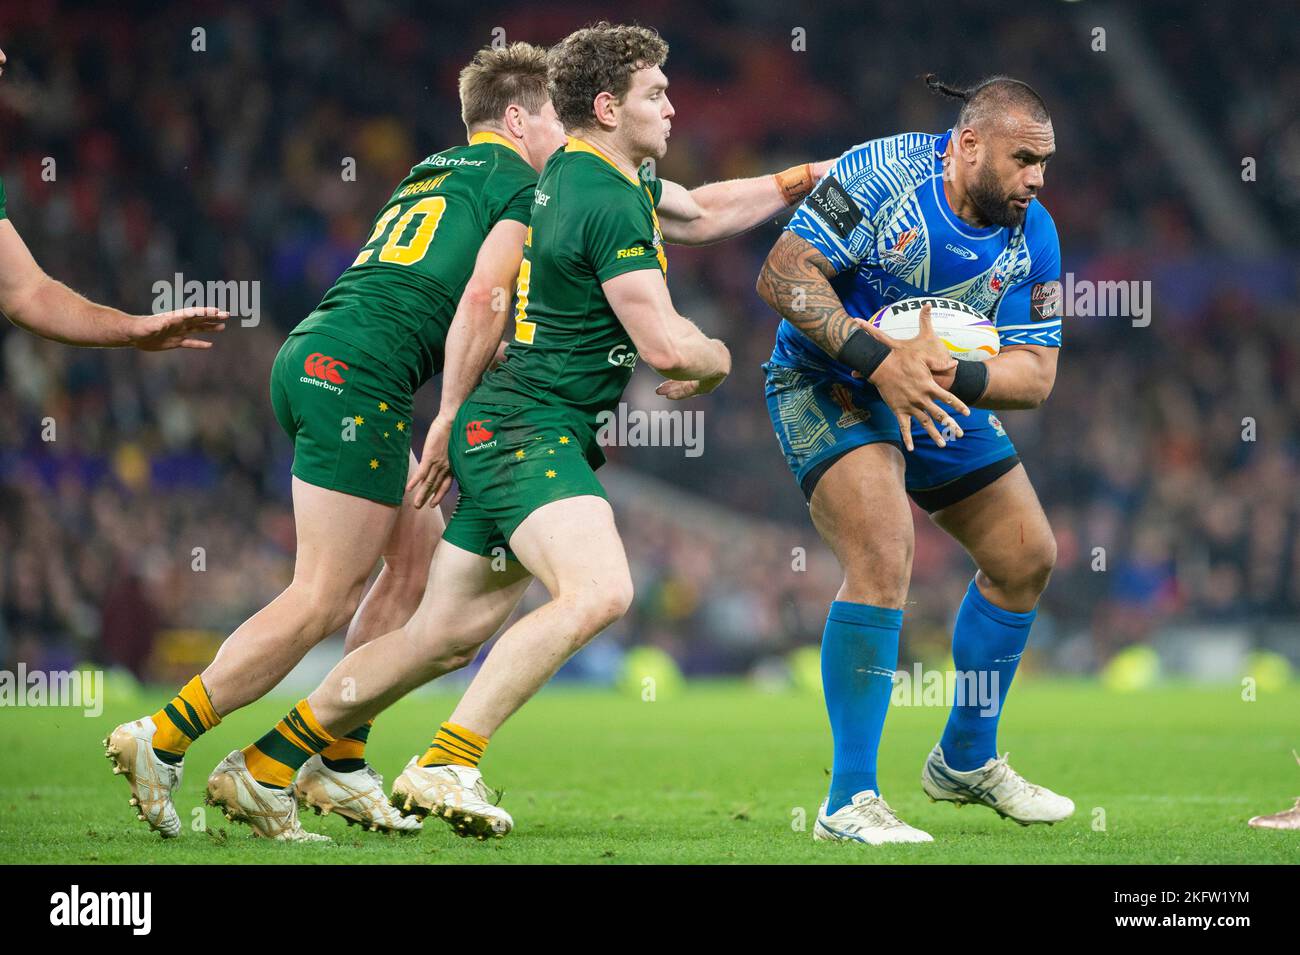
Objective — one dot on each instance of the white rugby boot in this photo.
(270, 813)
(357, 796)
(130, 748)
(868, 818)
(455, 794)
(996, 785)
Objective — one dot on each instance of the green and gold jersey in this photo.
(396, 301)
(3, 214)
(590, 222)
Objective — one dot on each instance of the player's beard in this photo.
(994, 205)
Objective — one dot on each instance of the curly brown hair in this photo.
(499, 76)
(599, 59)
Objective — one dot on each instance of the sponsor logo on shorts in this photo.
(997, 425)
(478, 436)
(323, 371)
(843, 396)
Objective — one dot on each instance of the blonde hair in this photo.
(499, 76)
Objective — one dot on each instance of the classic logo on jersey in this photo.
(961, 250)
(1045, 301)
(830, 203)
(323, 370)
(620, 356)
(842, 395)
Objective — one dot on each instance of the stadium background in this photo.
(225, 164)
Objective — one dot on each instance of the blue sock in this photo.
(859, 657)
(987, 642)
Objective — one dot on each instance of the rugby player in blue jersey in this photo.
(865, 420)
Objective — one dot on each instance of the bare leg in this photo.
(465, 602)
(397, 591)
(1004, 529)
(340, 538)
(573, 547)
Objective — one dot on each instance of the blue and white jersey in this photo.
(882, 220)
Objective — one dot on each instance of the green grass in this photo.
(718, 773)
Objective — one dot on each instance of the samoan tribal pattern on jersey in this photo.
(881, 219)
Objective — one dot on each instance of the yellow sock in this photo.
(276, 757)
(187, 717)
(454, 745)
(348, 754)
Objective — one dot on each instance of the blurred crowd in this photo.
(146, 493)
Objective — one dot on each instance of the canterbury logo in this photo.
(475, 433)
(324, 367)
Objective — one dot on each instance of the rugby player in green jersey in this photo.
(590, 300)
(442, 254)
(32, 300)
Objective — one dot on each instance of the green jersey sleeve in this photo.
(512, 185)
(653, 183)
(618, 237)
(3, 214)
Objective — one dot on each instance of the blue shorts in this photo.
(820, 415)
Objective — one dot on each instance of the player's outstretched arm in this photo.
(472, 340)
(1020, 376)
(795, 280)
(672, 345)
(720, 210)
(36, 302)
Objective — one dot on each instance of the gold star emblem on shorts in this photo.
(519, 453)
(358, 420)
(383, 406)
(401, 426)
(550, 473)
(564, 439)
(374, 464)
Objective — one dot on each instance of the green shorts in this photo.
(348, 415)
(509, 461)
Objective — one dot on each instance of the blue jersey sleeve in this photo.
(837, 217)
(1029, 312)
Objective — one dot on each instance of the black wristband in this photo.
(863, 353)
(970, 381)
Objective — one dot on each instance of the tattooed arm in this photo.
(795, 281)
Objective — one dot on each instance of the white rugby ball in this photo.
(966, 332)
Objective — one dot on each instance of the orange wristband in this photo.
(795, 182)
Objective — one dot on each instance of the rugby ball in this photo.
(966, 332)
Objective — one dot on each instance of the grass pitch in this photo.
(719, 773)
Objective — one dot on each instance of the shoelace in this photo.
(880, 814)
(487, 793)
(1002, 772)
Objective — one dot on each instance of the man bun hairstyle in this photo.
(499, 76)
(991, 99)
(599, 59)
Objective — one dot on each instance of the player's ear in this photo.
(604, 108)
(514, 120)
